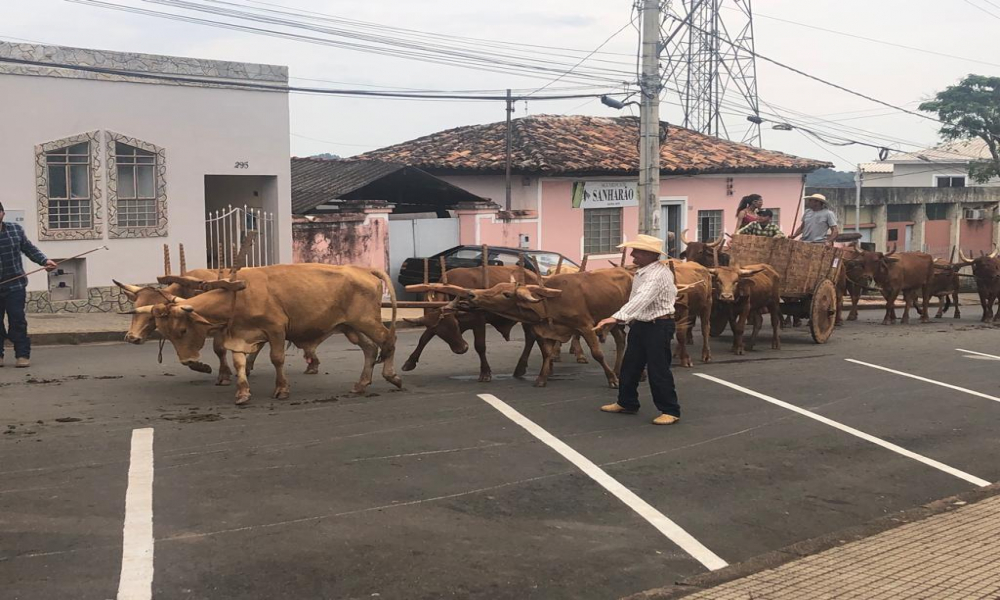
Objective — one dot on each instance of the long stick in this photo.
(40, 269)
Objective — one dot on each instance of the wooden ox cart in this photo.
(809, 274)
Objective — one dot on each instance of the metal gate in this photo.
(226, 229)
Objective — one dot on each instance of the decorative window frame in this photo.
(95, 231)
(114, 230)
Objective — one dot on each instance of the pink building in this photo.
(574, 178)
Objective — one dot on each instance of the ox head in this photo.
(731, 283)
(143, 324)
(875, 264)
(186, 330)
(704, 253)
(984, 268)
(444, 324)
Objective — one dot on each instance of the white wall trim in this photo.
(538, 186)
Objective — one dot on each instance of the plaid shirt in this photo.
(12, 243)
(757, 228)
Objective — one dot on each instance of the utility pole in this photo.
(510, 111)
(649, 121)
(858, 182)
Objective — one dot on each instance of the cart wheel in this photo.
(823, 311)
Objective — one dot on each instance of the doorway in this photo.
(673, 216)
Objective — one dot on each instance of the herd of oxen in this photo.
(243, 310)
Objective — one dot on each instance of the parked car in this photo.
(412, 270)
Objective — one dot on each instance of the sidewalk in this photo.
(48, 329)
(954, 554)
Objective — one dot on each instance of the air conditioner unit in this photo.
(975, 214)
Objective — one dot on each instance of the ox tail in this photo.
(947, 303)
(392, 301)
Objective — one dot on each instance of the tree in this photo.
(971, 110)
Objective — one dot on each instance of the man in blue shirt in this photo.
(13, 243)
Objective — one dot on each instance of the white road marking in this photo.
(925, 380)
(867, 437)
(136, 582)
(993, 356)
(657, 519)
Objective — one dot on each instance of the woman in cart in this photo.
(746, 212)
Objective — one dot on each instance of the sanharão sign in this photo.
(604, 194)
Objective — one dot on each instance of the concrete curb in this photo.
(771, 560)
(77, 338)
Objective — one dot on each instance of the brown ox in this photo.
(567, 305)
(742, 294)
(944, 286)
(986, 270)
(694, 301)
(704, 253)
(852, 281)
(906, 273)
(303, 304)
(450, 327)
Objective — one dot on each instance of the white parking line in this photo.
(657, 519)
(993, 356)
(136, 582)
(925, 380)
(867, 437)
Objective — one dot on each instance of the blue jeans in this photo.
(12, 305)
(648, 347)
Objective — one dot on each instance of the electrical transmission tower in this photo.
(709, 65)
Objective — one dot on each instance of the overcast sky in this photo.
(348, 126)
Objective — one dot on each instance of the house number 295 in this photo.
(241, 165)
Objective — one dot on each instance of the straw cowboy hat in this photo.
(819, 197)
(645, 242)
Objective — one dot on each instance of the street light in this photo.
(616, 104)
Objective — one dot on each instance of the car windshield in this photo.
(468, 254)
(550, 259)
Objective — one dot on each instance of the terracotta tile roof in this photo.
(550, 144)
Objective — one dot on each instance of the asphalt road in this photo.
(431, 492)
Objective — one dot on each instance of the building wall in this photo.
(360, 240)
(523, 189)
(921, 175)
(202, 130)
(559, 227)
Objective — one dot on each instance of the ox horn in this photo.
(422, 321)
(451, 290)
(684, 237)
(527, 296)
(749, 272)
(547, 292)
(140, 310)
(186, 281)
(132, 289)
(965, 259)
(995, 253)
(717, 242)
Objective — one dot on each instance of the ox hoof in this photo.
(485, 377)
(242, 399)
(519, 372)
(557, 358)
(281, 394)
(613, 384)
(582, 360)
(223, 381)
(852, 317)
(359, 388)
(395, 380)
(957, 316)
(312, 370)
(540, 383)
(687, 363)
(409, 365)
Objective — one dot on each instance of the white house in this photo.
(134, 151)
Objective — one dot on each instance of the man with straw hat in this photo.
(819, 223)
(649, 313)
(13, 242)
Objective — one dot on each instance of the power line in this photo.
(584, 59)
(994, 15)
(873, 40)
(813, 77)
(280, 88)
(395, 48)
